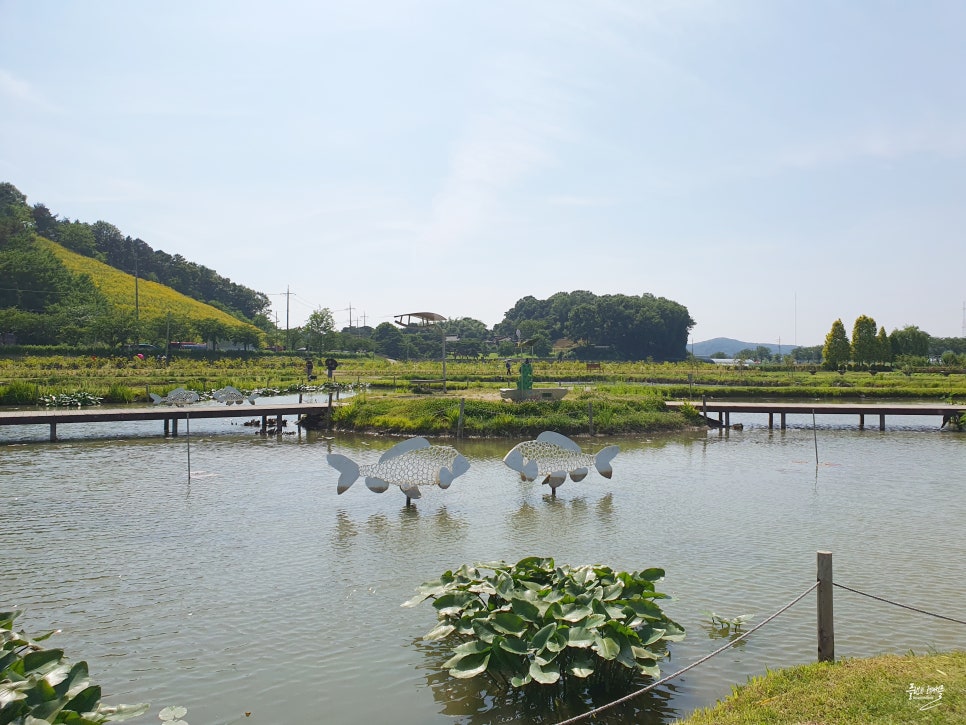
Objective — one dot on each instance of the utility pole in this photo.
(288, 337)
(137, 307)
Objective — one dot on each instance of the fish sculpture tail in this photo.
(347, 468)
(527, 468)
(603, 458)
(155, 398)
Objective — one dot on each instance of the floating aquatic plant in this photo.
(537, 623)
(70, 400)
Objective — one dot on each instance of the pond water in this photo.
(252, 593)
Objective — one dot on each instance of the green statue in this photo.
(526, 376)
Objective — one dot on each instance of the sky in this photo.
(772, 165)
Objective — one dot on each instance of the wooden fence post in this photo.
(826, 626)
(459, 424)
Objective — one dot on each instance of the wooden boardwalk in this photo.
(169, 415)
(725, 408)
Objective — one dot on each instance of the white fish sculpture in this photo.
(409, 464)
(554, 456)
(230, 396)
(178, 396)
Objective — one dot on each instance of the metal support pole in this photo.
(826, 627)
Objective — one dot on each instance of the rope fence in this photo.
(896, 604)
(631, 696)
(826, 638)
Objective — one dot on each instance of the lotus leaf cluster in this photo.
(535, 622)
(38, 685)
(70, 400)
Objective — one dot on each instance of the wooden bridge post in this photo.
(861, 421)
(882, 421)
(53, 431)
(826, 626)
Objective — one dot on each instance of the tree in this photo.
(910, 341)
(883, 346)
(807, 354)
(247, 335)
(389, 340)
(77, 237)
(837, 350)
(319, 324)
(211, 330)
(763, 354)
(864, 347)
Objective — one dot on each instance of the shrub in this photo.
(19, 393)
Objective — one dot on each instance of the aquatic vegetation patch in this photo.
(537, 624)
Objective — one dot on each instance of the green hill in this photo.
(153, 299)
(159, 310)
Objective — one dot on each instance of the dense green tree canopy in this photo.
(910, 341)
(619, 326)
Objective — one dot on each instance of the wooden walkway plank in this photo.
(725, 408)
(170, 415)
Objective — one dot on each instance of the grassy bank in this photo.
(852, 692)
(580, 413)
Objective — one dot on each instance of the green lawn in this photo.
(885, 689)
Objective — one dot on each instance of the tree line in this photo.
(869, 346)
(575, 325)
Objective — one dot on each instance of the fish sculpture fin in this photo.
(531, 470)
(347, 468)
(558, 439)
(377, 485)
(156, 399)
(410, 444)
(579, 475)
(460, 465)
(514, 459)
(603, 458)
(445, 477)
(412, 492)
(556, 478)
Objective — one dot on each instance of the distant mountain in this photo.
(731, 347)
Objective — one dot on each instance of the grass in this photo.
(852, 692)
(439, 415)
(625, 398)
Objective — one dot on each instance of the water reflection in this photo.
(483, 699)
